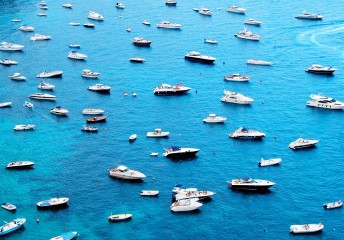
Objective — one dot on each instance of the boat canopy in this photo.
(175, 148)
(122, 168)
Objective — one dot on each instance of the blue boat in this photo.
(12, 226)
(65, 236)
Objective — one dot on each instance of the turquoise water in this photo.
(75, 164)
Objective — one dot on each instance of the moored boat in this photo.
(246, 34)
(244, 133)
(88, 25)
(45, 86)
(12, 226)
(132, 137)
(124, 172)
(309, 16)
(17, 76)
(269, 162)
(167, 89)
(236, 9)
(237, 98)
(42, 96)
(89, 129)
(53, 203)
(58, 110)
(92, 111)
(40, 37)
(211, 41)
(321, 101)
(170, 3)
(26, 28)
(23, 127)
(119, 217)
(178, 152)
(89, 74)
(237, 77)
(74, 23)
(198, 57)
(65, 236)
(212, 118)
(6, 46)
(251, 21)
(137, 60)
(333, 205)
(186, 205)
(96, 119)
(8, 62)
(258, 62)
(20, 164)
(120, 5)
(100, 88)
(9, 206)
(76, 55)
(138, 41)
(5, 104)
(167, 24)
(149, 193)
(303, 143)
(28, 104)
(95, 16)
(52, 74)
(319, 69)
(157, 134)
(250, 184)
(306, 228)
(180, 193)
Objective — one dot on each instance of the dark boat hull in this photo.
(250, 187)
(95, 120)
(182, 155)
(168, 93)
(201, 60)
(142, 44)
(59, 206)
(320, 72)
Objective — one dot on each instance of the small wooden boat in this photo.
(65, 236)
(306, 228)
(333, 205)
(149, 193)
(96, 119)
(132, 137)
(5, 104)
(269, 162)
(9, 206)
(119, 217)
(20, 164)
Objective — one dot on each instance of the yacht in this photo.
(8, 62)
(138, 41)
(319, 69)
(59, 111)
(125, 173)
(6, 46)
(12, 226)
(45, 86)
(247, 134)
(17, 76)
(88, 128)
(205, 11)
(76, 55)
(198, 57)
(53, 203)
(246, 34)
(250, 184)
(42, 96)
(92, 111)
(89, 25)
(65, 236)
(212, 118)
(20, 164)
(178, 152)
(236, 9)
(23, 127)
(167, 24)
(321, 101)
(310, 16)
(236, 77)
(96, 119)
(211, 41)
(5, 104)
(146, 22)
(258, 62)
(120, 5)
(170, 3)
(166, 89)
(52, 74)
(95, 16)
(251, 21)
(40, 37)
(185, 205)
(303, 143)
(100, 88)
(180, 193)
(306, 228)
(269, 162)
(74, 23)
(67, 5)
(157, 134)
(137, 60)
(234, 97)
(86, 73)
(26, 28)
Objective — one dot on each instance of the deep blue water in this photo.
(74, 164)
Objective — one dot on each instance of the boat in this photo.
(45, 86)
(6, 46)
(124, 172)
(5, 104)
(89, 25)
(246, 134)
(96, 119)
(211, 41)
(17, 76)
(99, 88)
(246, 34)
(40, 37)
(12, 226)
(259, 62)
(132, 137)
(89, 74)
(236, 9)
(170, 3)
(146, 22)
(120, 217)
(52, 74)
(95, 16)
(20, 164)
(8, 62)
(251, 21)
(23, 127)
(9, 206)
(42, 96)
(180, 193)
(303, 143)
(74, 23)
(166, 89)
(319, 69)
(333, 205)
(65, 236)
(92, 111)
(306, 228)
(58, 110)
(234, 97)
(42, 14)
(16, 20)
(75, 55)
(138, 41)
(185, 205)
(167, 24)
(74, 45)
(157, 133)
(137, 60)
(154, 154)
(89, 129)
(321, 101)
(128, 29)
(120, 5)
(53, 203)
(250, 184)
(178, 152)
(212, 118)
(43, 5)
(269, 162)
(198, 57)
(28, 104)
(310, 16)
(149, 193)
(67, 5)
(205, 11)
(237, 77)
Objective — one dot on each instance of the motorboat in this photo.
(28, 104)
(303, 143)
(40, 37)
(234, 97)
(149, 193)
(42, 96)
(12, 226)
(196, 9)
(124, 172)
(23, 127)
(9, 206)
(89, 129)
(45, 86)
(74, 45)
(154, 154)
(269, 162)
(89, 25)
(58, 110)
(321, 101)
(20, 164)
(26, 28)
(237, 77)
(157, 134)
(5, 104)
(89, 74)
(67, 5)
(52, 74)
(170, 3)
(258, 62)
(246, 34)
(43, 5)
(120, 217)
(212, 118)
(138, 41)
(180, 193)
(250, 184)
(166, 89)
(247, 134)
(236, 9)
(42, 14)
(6, 46)
(74, 23)
(185, 206)
(95, 16)
(128, 29)
(120, 5)
(198, 57)
(92, 111)
(96, 119)
(8, 62)
(17, 76)
(333, 205)
(100, 88)
(53, 203)
(65, 236)
(251, 21)
(137, 60)
(319, 69)
(310, 16)
(205, 11)
(306, 228)
(179, 152)
(132, 137)
(211, 41)
(75, 55)
(146, 22)
(167, 24)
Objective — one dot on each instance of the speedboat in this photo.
(120, 217)
(52, 74)
(45, 86)
(321, 101)
(95, 16)
(250, 184)
(89, 25)
(333, 205)
(53, 203)
(96, 119)
(26, 28)
(236, 77)
(185, 205)
(149, 193)
(6, 46)
(211, 41)
(74, 45)
(306, 228)
(198, 57)
(178, 152)
(12, 226)
(89, 129)
(157, 133)
(171, 3)
(17, 76)
(247, 134)
(125, 173)
(212, 118)
(28, 104)
(180, 193)
(167, 24)
(20, 164)
(269, 162)
(5, 104)
(59, 111)
(9, 206)
(8, 62)
(67, 5)
(138, 41)
(76, 55)
(246, 34)
(319, 69)
(120, 5)
(74, 23)
(132, 137)
(251, 21)
(236, 9)
(146, 22)
(167, 89)
(137, 60)
(303, 143)
(205, 11)
(89, 74)
(259, 62)
(40, 37)
(92, 111)
(42, 96)
(23, 127)
(234, 97)
(100, 88)
(65, 236)
(310, 16)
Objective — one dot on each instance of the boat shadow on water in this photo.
(182, 158)
(53, 208)
(196, 211)
(252, 192)
(127, 180)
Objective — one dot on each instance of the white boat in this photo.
(246, 34)
(45, 86)
(95, 16)
(92, 111)
(234, 97)
(88, 128)
(12, 226)
(125, 173)
(74, 23)
(28, 104)
(237, 77)
(303, 143)
(157, 134)
(138, 41)
(137, 60)
(185, 205)
(247, 134)
(212, 118)
(149, 193)
(100, 88)
(120, 5)
(74, 45)
(20, 164)
(52, 74)
(6, 46)
(89, 25)
(76, 55)
(211, 41)
(128, 29)
(120, 217)
(42, 96)
(198, 57)
(259, 62)
(269, 162)
(321, 101)
(53, 203)
(319, 69)
(146, 22)
(154, 154)
(180, 193)
(251, 21)
(67, 5)
(205, 11)
(236, 9)
(167, 24)
(59, 111)
(333, 205)
(167, 89)
(5, 104)
(9, 206)
(65, 236)
(17, 76)
(8, 62)
(310, 16)
(40, 37)
(23, 127)
(306, 228)
(89, 74)
(250, 184)
(42, 14)
(132, 137)
(179, 152)
(26, 28)
(16, 20)
(170, 3)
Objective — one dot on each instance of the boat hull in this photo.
(322, 72)
(201, 60)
